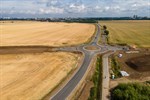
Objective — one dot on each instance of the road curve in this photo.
(88, 55)
(64, 93)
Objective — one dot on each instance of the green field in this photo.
(129, 32)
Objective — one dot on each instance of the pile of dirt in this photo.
(140, 64)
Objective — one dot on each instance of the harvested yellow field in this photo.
(135, 32)
(32, 76)
(19, 33)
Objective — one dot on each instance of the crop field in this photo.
(20, 33)
(133, 32)
(32, 76)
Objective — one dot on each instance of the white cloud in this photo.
(107, 8)
(51, 10)
(54, 2)
(97, 8)
(77, 8)
(134, 5)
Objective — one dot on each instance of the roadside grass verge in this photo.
(107, 39)
(101, 32)
(115, 67)
(95, 92)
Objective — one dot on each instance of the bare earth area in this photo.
(32, 76)
(140, 63)
(91, 48)
(19, 33)
(136, 73)
(136, 64)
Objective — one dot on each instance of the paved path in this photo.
(106, 77)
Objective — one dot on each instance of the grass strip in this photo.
(95, 92)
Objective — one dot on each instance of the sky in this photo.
(74, 8)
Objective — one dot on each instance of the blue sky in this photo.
(74, 8)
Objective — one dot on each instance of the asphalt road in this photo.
(88, 56)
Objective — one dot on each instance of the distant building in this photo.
(135, 16)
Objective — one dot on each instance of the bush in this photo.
(131, 91)
(106, 32)
(115, 67)
(104, 27)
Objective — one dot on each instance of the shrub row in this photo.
(115, 67)
(95, 92)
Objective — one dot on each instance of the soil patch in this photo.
(91, 48)
(140, 73)
(141, 63)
